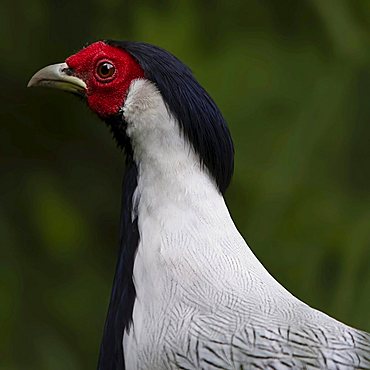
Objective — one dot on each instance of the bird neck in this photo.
(168, 167)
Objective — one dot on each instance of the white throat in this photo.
(167, 164)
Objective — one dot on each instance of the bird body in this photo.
(188, 292)
(203, 300)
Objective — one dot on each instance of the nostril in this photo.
(68, 71)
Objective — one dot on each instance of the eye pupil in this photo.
(106, 70)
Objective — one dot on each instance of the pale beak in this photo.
(58, 76)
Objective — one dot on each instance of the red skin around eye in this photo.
(105, 97)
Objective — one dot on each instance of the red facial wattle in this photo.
(108, 73)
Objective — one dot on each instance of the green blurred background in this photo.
(292, 79)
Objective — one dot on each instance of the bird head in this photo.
(103, 74)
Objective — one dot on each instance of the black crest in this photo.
(200, 119)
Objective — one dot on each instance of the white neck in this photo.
(174, 193)
(167, 164)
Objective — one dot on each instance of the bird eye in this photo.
(105, 70)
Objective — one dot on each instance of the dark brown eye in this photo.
(105, 70)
